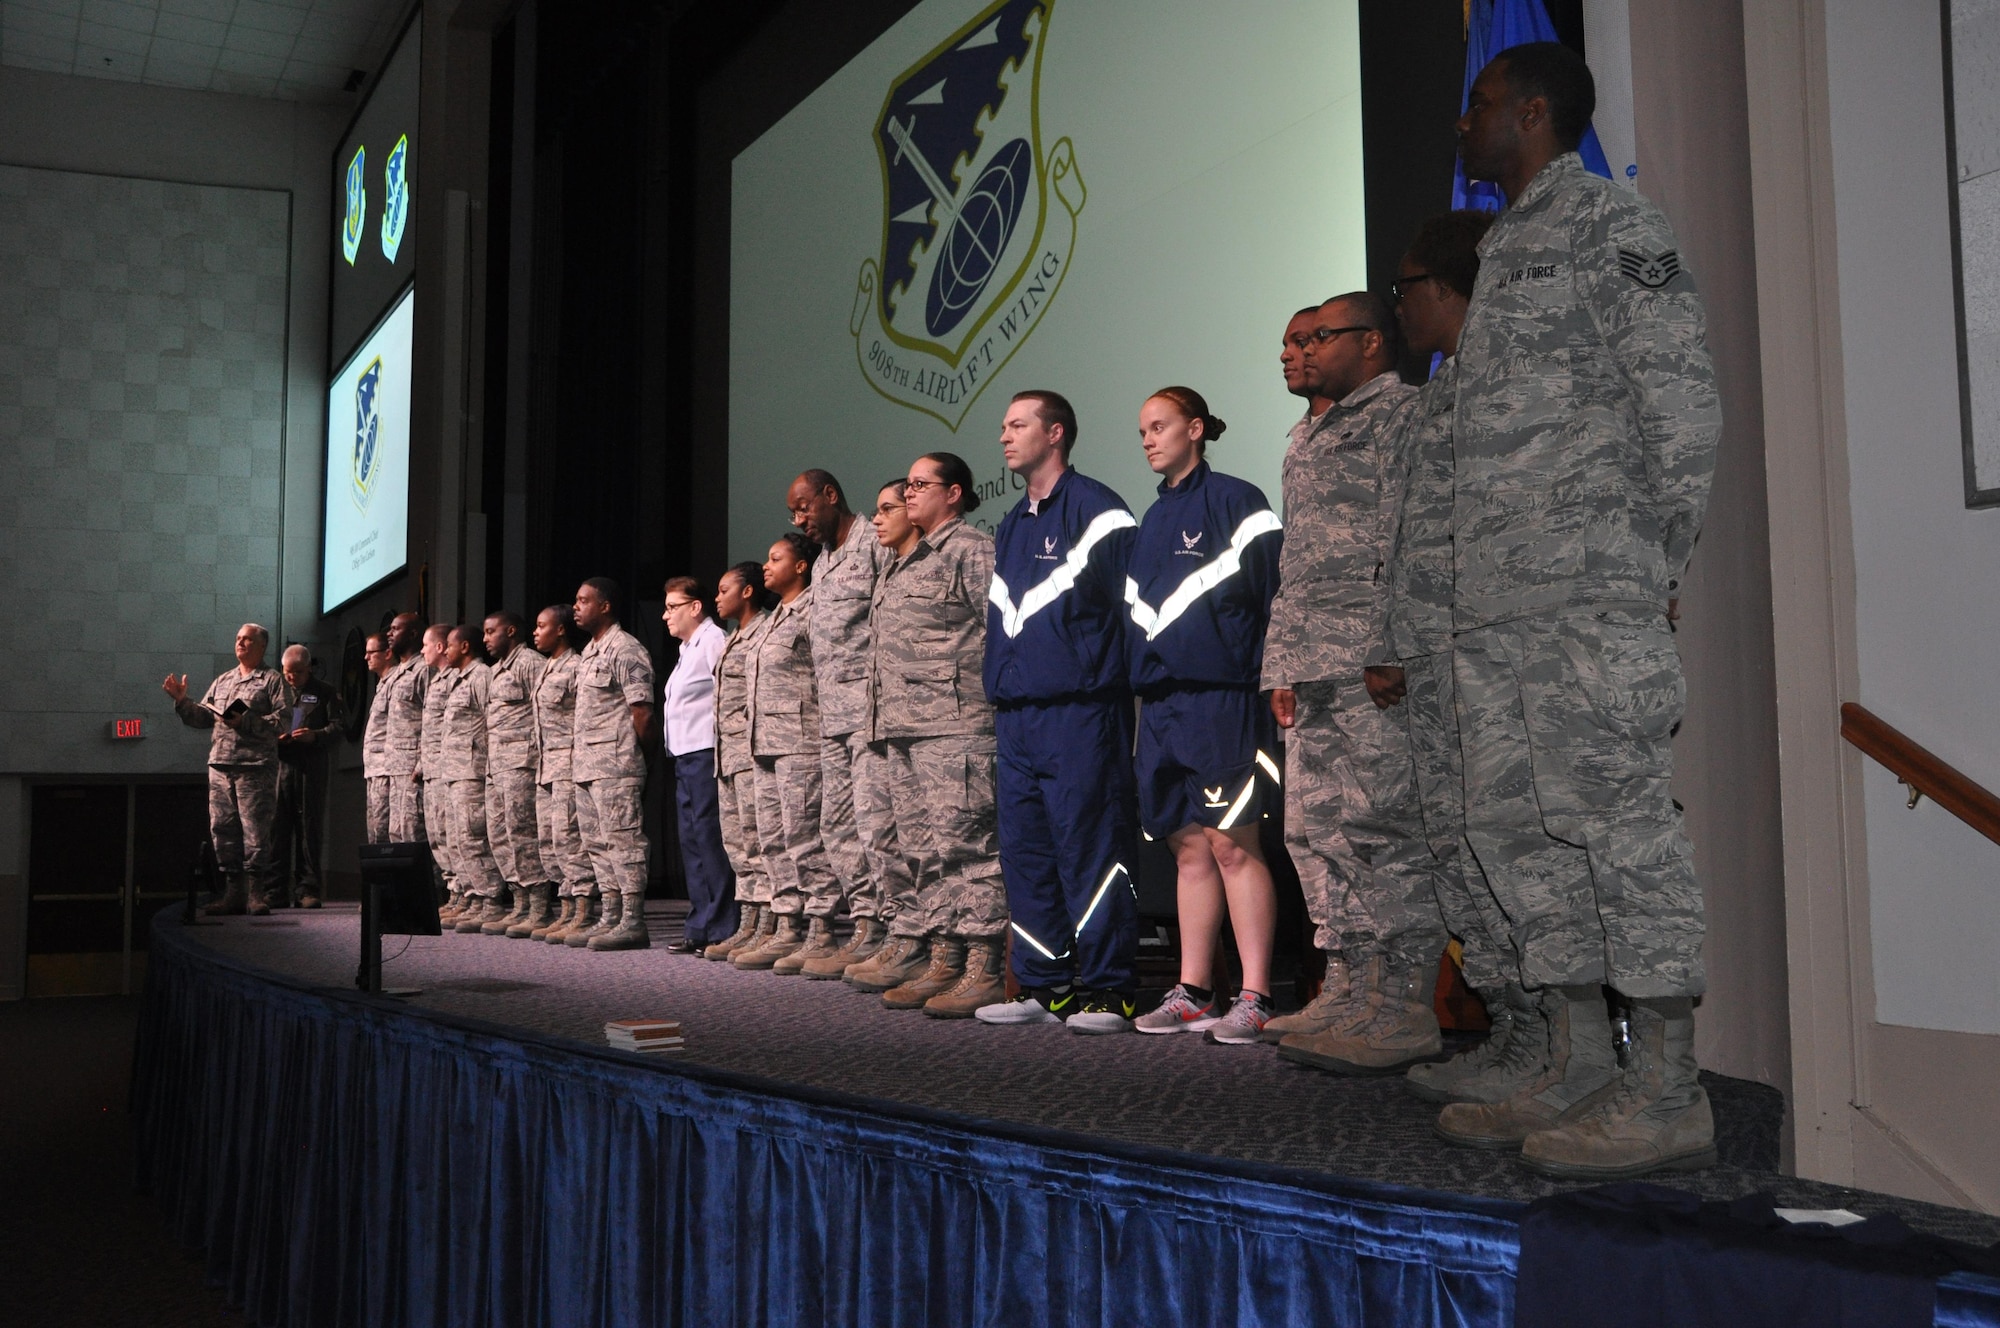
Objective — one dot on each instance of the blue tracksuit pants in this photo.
(1068, 817)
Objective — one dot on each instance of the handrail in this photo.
(1921, 771)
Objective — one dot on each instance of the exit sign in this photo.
(126, 728)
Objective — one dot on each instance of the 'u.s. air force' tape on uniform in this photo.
(1153, 621)
(1057, 583)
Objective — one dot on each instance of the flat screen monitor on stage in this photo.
(1095, 196)
(368, 461)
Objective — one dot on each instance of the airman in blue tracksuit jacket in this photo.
(1204, 570)
(1056, 671)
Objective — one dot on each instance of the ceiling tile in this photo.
(69, 7)
(35, 46)
(120, 14)
(38, 21)
(219, 10)
(244, 85)
(267, 17)
(29, 62)
(177, 75)
(257, 42)
(314, 51)
(319, 76)
(122, 40)
(100, 63)
(251, 63)
(181, 53)
(188, 28)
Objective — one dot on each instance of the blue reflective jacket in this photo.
(1055, 614)
(1204, 570)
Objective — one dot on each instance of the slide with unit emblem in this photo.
(1095, 197)
(368, 461)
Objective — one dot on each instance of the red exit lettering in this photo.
(126, 728)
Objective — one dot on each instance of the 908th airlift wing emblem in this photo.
(357, 205)
(978, 222)
(367, 432)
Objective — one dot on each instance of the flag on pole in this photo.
(1491, 26)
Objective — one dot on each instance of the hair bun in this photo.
(1213, 427)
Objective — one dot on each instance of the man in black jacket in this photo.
(308, 731)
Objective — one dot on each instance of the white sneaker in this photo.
(1178, 1013)
(1035, 1006)
(1103, 1012)
(1245, 1020)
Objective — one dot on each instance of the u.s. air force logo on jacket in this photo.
(973, 245)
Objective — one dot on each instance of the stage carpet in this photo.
(476, 1154)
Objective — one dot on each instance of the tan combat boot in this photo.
(1499, 1067)
(1399, 1029)
(610, 908)
(984, 982)
(541, 909)
(901, 959)
(863, 944)
(787, 935)
(1655, 1117)
(947, 966)
(746, 927)
(235, 898)
(582, 918)
(565, 910)
(479, 911)
(1579, 1061)
(1341, 1001)
(513, 908)
(630, 933)
(822, 942)
(448, 911)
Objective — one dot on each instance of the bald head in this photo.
(297, 664)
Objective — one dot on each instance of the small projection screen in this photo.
(1097, 196)
(368, 460)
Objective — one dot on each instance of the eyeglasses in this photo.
(1402, 286)
(918, 486)
(1322, 335)
(673, 604)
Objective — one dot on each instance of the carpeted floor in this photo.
(79, 1249)
(1173, 1092)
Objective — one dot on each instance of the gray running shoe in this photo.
(1103, 1012)
(1037, 1005)
(1245, 1020)
(1178, 1013)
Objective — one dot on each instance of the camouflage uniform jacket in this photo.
(614, 674)
(1417, 611)
(782, 687)
(430, 751)
(732, 698)
(1587, 417)
(407, 686)
(930, 637)
(843, 587)
(1343, 490)
(462, 754)
(555, 716)
(375, 738)
(510, 710)
(255, 739)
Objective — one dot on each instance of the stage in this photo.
(477, 1154)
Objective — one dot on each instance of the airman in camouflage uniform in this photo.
(242, 768)
(1585, 435)
(785, 742)
(856, 822)
(433, 784)
(512, 756)
(406, 687)
(558, 812)
(1352, 819)
(931, 707)
(614, 709)
(463, 761)
(736, 796)
(375, 741)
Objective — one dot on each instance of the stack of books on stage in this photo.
(645, 1035)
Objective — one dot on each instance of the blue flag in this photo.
(1493, 26)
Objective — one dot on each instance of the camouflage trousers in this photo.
(559, 837)
(512, 827)
(943, 794)
(610, 814)
(787, 792)
(1470, 911)
(858, 823)
(406, 809)
(1567, 724)
(242, 817)
(469, 847)
(736, 800)
(378, 809)
(436, 820)
(1355, 829)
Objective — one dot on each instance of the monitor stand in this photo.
(369, 978)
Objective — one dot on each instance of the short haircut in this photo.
(1558, 75)
(694, 590)
(1054, 408)
(439, 630)
(823, 479)
(952, 470)
(1447, 247)
(381, 640)
(509, 618)
(802, 549)
(751, 576)
(1372, 311)
(566, 624)
(298, 647)
(469, 635)
(609, 591)
(263, 632)
(1309, 309)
